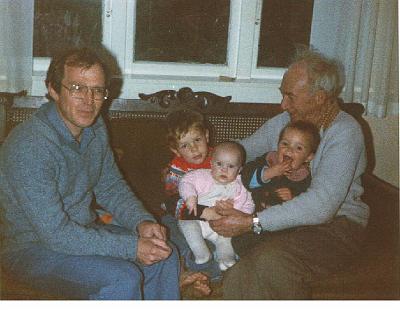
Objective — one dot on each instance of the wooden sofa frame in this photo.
(137, 127)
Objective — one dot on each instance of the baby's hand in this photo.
(284, 193)
(210, 214)
(191, 203)
(277, 170)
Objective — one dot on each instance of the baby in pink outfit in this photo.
(205, 187)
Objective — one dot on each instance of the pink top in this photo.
(200, 183)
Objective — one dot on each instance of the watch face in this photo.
(257, 229)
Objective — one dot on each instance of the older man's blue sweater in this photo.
(48, 181)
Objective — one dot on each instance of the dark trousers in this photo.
(281, 265)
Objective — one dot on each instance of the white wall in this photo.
(385, 135)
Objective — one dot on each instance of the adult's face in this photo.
(297, 99)
(79, 112)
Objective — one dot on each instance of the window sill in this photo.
(245, 90)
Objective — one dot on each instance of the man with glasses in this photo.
(51, 167)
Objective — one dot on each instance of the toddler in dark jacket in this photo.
(280, 175)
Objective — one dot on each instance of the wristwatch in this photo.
(256, 227)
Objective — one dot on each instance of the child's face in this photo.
(193, 146)
(294, 146)
(225, 166)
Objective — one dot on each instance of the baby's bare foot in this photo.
(194, 284)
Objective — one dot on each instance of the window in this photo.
(181, 37)
(161, 44)
(284, 26)
(181, 31)
(59, 24)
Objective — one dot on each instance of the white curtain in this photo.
(16, 37)
(363, 35)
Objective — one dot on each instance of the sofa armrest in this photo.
(383, 201)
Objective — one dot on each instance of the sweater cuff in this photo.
(257, 180)
(260, 173)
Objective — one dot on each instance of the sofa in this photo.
(137, 130)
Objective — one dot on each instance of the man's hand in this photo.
(233, 222)
(152, 246)
(152, 250)
(221, 205)
(210, 214)
(149, 229)
(284, 193)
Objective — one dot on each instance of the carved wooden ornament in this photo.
(185, 96)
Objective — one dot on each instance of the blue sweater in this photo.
(48, 181)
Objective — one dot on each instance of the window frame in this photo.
(245, 82)
(182, 69)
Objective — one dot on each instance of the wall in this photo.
(385, 136)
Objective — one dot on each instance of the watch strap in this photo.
(256, 226)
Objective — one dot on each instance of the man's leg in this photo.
(282, 264)
(244, 243)
(161, 280)
(76, 277)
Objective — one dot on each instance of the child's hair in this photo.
(308, 129)
(180, 122)
(235, 146)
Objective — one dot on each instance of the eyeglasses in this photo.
(80, 91)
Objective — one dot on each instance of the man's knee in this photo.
(124, 282)
(270, 271)
(174, 253)
(162, 278)
(132, 279)
(258, 261)
(172, 262)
